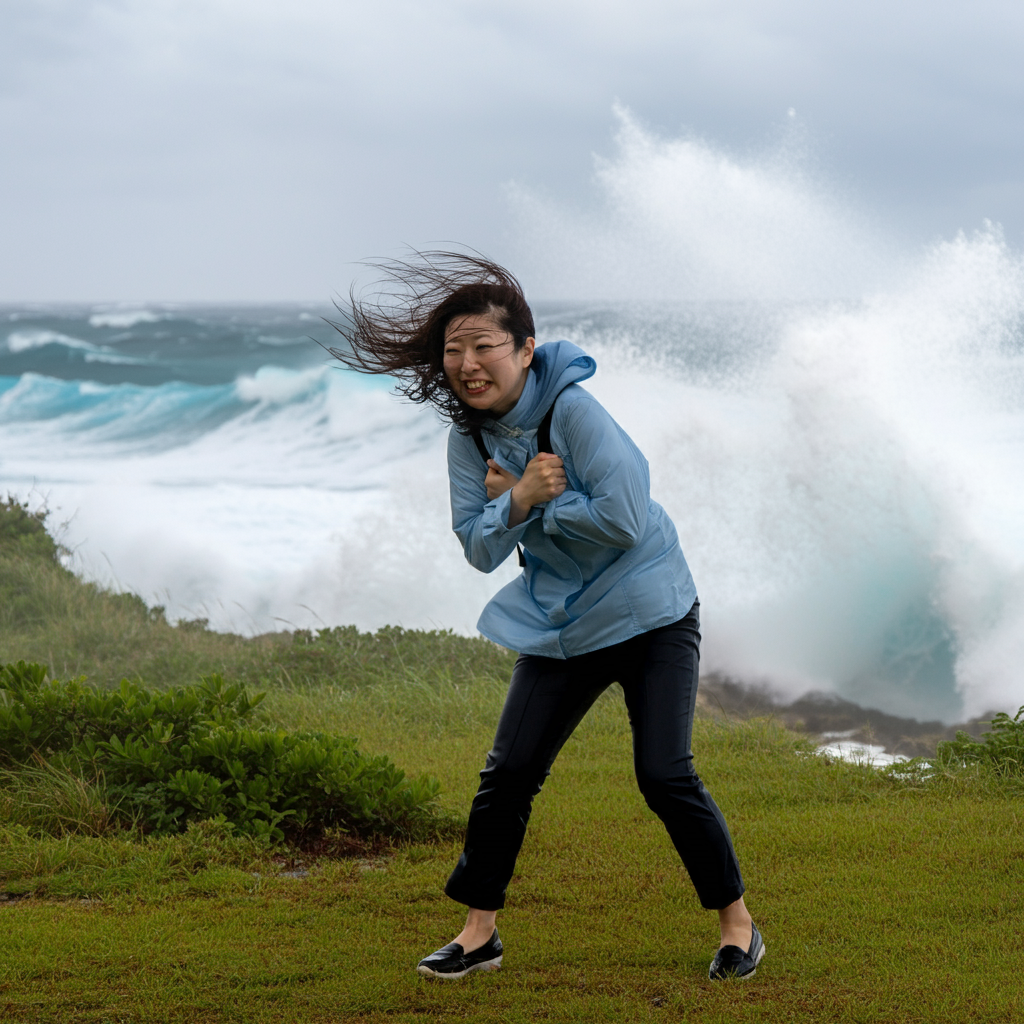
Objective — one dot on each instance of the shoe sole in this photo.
(484, 965)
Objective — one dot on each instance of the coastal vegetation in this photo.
(889, 895)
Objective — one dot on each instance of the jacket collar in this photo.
(555, 366)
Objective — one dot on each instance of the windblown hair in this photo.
(400, 330)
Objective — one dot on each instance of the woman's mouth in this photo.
(476, 387)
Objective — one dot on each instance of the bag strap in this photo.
(544, 430)
(480, 446)
(543, 433)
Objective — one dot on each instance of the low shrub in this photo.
(23, 531)
(1001, 749)
(165, 759)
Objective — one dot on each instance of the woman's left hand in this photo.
(498, 480)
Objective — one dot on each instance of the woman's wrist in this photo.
(517, 512)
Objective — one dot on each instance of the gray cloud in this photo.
(176, 149)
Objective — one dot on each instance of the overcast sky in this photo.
(249, 149)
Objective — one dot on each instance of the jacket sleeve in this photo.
(613, 506)
(478, 523)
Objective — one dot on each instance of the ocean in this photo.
(847, 478)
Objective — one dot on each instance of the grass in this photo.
(879, 901)
(47, 799)
(881, 898)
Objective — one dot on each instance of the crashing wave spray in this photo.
(847, 477)
(678, 219)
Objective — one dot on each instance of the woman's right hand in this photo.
(542, 480)
(498, 480)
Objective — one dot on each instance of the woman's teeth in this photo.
(476, 385)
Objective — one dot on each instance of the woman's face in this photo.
(482, 365)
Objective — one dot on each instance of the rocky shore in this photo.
(825, 717)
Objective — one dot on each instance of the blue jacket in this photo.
(603, 561)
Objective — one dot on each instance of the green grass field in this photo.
(880, 898)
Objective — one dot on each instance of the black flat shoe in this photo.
(733, 962)
(452, 962)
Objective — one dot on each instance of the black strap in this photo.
(481, 447)
(543, 434)
(544, 430)
(543, 445)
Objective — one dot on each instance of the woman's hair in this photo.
(400, 330)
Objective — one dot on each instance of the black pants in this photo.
(546, 700)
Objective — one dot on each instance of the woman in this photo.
(605, 595)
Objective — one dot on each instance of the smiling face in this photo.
(482, 364)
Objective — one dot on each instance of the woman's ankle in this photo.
(478, 930)
(734, 922)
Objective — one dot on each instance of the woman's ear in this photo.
(526, 352)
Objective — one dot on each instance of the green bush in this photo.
(23, 532)
(1002, 748)
(165, 759)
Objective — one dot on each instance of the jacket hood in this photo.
(555, 366)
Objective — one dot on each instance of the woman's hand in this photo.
(498, 480)
(542, 480)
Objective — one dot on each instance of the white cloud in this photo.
(176, 148)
